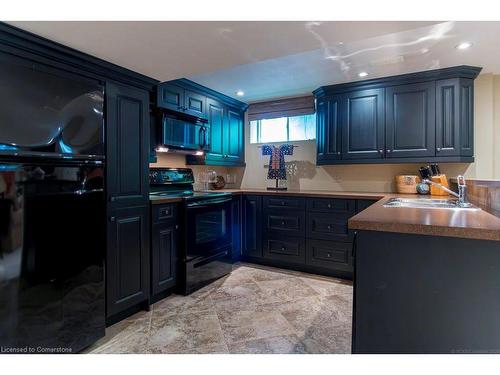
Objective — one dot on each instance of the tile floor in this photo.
(254, 310)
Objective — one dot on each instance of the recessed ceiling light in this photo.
(464, 45)
(240, 93)
(362, 74)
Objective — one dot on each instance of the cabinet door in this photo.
(233, 137)
(363, 125)
(170, 97)
(236, 227)
(127, 261)
(195, 104)
(252, 229)
(163, 256)
(216, 121)
(328, 131)
(454, 111)
(410, 120)
(128, 130)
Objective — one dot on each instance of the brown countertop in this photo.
(475, 224)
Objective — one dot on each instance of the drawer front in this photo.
(164, 212)
(286, 249)
(328, 226)
(284, 222)
(295, 203)
(329, 254)
(347, 206)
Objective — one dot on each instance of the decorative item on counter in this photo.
(277, 170)
(423, 188)
(219, 183)
(207, 178)
(407, 184)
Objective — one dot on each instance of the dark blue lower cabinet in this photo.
(236, 227)
(303, 233)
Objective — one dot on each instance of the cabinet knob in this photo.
(389, 151)
(338, 152)
(176, 226)
(438, 149)
(329, 255)
(329, 227)
(283, 248)
(282, 203)
(380, 151)
(112, 199)
(282, 222)
(112, 219)
(329, 205)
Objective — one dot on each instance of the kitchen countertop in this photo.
(475, 224)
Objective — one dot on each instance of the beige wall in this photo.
(304, 174)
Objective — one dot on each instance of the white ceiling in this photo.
(276, 59)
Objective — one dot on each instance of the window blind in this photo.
(281, 108)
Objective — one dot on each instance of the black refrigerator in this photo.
(52, 210)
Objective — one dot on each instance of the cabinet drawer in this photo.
(296, 203)
(285, 222)
(329, 254)
(331, 205)
(164, 212)
(291, 249)
(328, 226)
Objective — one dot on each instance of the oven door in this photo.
(208, 229)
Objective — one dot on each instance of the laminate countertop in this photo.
(475, 224)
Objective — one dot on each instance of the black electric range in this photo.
(205, 218)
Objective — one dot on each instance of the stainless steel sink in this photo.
(427, 203)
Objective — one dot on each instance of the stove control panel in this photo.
(163, 176)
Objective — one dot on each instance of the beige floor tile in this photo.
(180, 333)
(330, 287)
(285, 290)
(251, 324)
(289, 344)
(237, 296)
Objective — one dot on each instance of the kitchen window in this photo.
(283, 129)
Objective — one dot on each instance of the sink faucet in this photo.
(462, 199)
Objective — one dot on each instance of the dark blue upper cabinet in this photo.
(176, 98)
(454, 117)
(328, 129)
(417, 117)
(363, 125)
(410, 120)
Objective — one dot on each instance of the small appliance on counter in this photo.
(206, 240)
(433, 173)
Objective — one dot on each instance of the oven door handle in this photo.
(208, 202)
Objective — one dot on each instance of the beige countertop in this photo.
(475, 224)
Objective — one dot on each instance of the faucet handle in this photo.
(461, 180)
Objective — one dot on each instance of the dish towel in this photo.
(277, 168)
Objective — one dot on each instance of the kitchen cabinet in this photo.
(251, 226)
(127, 260)
(179, 99)
(454, 117)
(236, 227)
(417, 117)
(164, 240)
(224, 117)
(363, 125)
(127, 146)
(328, 128)
(410, 120)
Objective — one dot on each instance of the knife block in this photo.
(440, 179)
